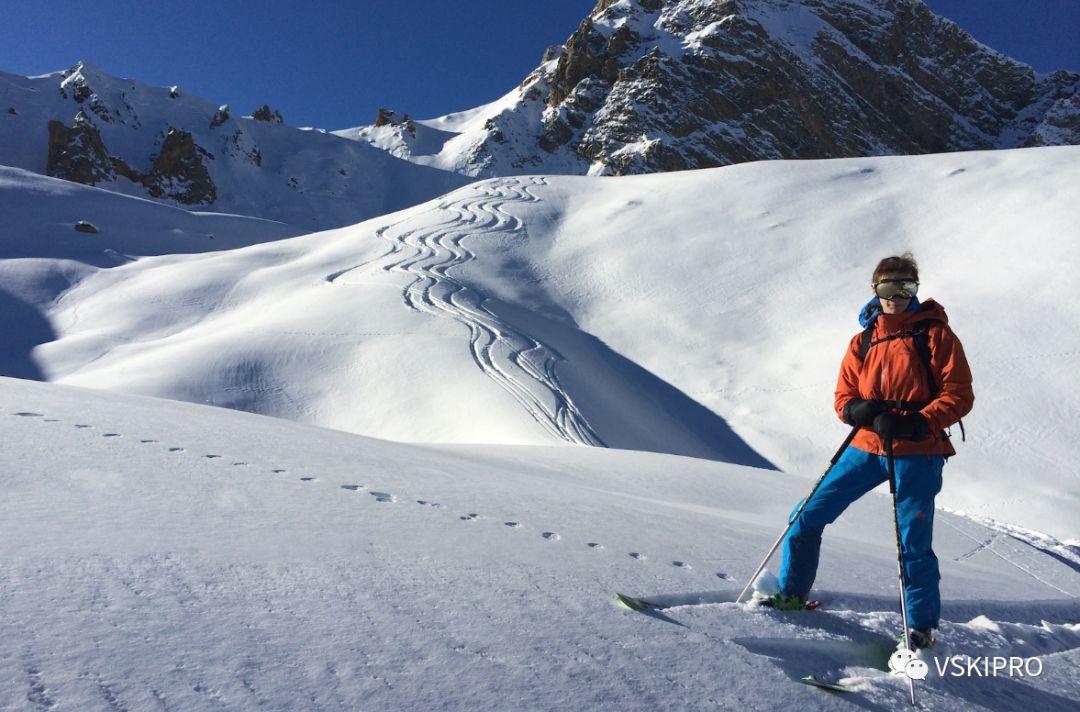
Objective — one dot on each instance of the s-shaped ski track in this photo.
(524, 366)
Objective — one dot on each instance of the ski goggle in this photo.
(896, 288)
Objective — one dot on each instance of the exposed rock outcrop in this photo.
(179, 173)
(77, 153)
(265, 113)
(386, 117)
(220, 116)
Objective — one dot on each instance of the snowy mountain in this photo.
(699, 313)
(86, 126)
(168, 555)
(660, 85)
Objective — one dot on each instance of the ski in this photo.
(635, 604)
(669, 600)
(824, 684)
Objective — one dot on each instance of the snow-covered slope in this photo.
(659, 85)
(700, 313)
(43, 253)
(40, 214)
(156, 554)
(85, 125)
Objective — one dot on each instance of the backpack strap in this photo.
(920, 337)
(864, 343)
(922, 346)
(921, 340)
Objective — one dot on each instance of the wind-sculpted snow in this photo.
(521, 364)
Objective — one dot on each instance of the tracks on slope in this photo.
(521, 364)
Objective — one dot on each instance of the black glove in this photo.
(862, 412)
(902, 427)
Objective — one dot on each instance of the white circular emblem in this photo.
(917, 669)
(899, 660)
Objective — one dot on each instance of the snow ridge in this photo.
(87, 126)
(518, 362)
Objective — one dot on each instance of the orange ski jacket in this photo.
(893, 371)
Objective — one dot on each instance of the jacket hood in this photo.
(916, 311)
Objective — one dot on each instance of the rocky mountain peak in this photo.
(387, 117)
(265, 113)
(658, 85)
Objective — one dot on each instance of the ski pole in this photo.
(899, 557)
(806, 501)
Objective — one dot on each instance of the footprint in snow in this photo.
(277, 472)
(551, 536)
(148, 440)
(83, 425)
(429, 504)
(383, 497)
(637, 555)
(351, 488)
(595, 545)
(309, 479)
(38, 693)
(176, 449)
(680, 564)
(28, 414)
(52, 420)
(724, 576)
(211, 457)
(110, 435)
(513, 525)
(469, 517)
(237, 464)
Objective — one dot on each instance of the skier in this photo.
(885, 388)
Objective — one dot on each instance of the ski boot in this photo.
(921, 639)
(788, 603)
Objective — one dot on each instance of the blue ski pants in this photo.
(854, 474)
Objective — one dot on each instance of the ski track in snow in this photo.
(522, 365)
(1009, 557)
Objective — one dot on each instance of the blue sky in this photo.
(332, 63)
